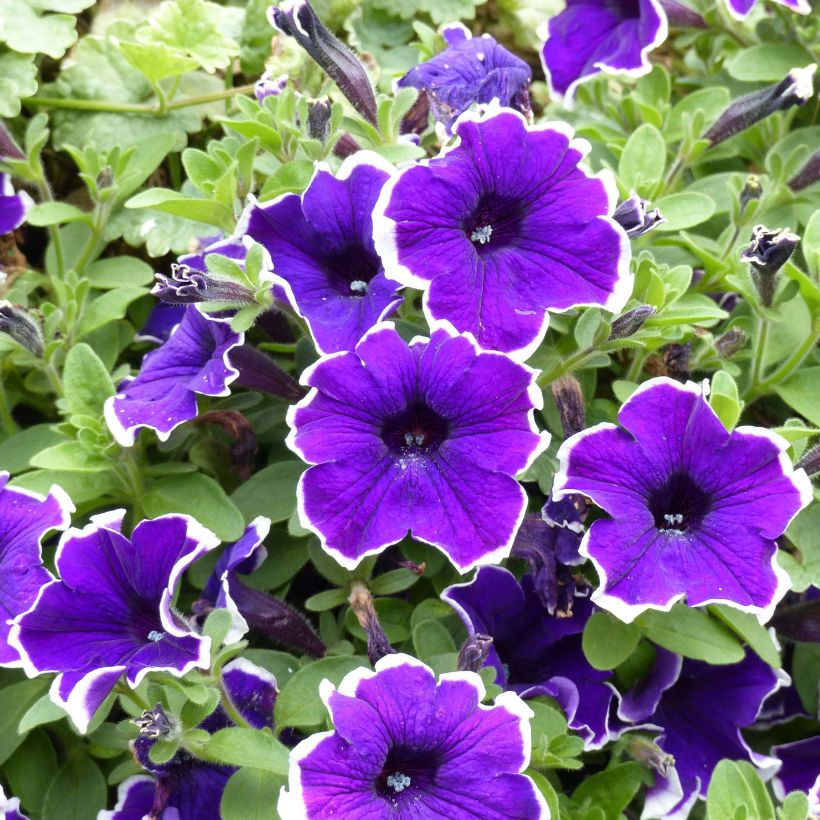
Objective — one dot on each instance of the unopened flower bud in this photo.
(570, 402)
(730, 342)
(680, 16)
(261, 373)
(346, 145)
(187, 286)
(807, 175)
(751, 190)
(318, 124)
(649, 753)
(361, 602)
(8, 147)
(473, 653)
(296, 18)
(18, 323)
(796, 88)
(630, 323)
(768, 252)
(632, 215)
(810, 460)
(269, 86)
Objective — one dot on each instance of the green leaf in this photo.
(735, 786)
(42, 711)
(118, 272)
(552, 746)
(643, 160)
(55, 213)
(806, 672)
(270, 492)
(23, 30)
(607, 642)
(397, 580)
(71, 456)
(441, 11)
(810, 245)
(684, 210)
(216, 627)
(251, 794)
(199, 496)
(724, 399)
(326, 599)
(18, 79)
(30, 782)
(394, 616)
(431, 638)
(239, 746)
(86, 381)
(795, 807)
(78, 792)
(157, 62)
(768, 62)
(173, 202)
(709, 101)
(802, 393)
(81, 487)
(691, 308)
(299, 704)
(612, 789)
(750, 629)
(108, 307)
(691, 633)
(17, 450)
(280, 664)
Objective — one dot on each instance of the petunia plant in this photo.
(409, 410)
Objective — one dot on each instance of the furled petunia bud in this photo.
(751, 190)
(296, 18)
(810, 460)
(570, 402)
(768, 252)
(807, 175)
(474, 652)
(186, 286)
(631, 322)
(8, 147)
(649, 753)
(730, 342)
(18, 323)
(680, 16)
(361, 602)
(632, 215)
(269, 86)
(318, 123)
(796, 88)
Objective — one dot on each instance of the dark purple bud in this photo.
(8, 147)
(810, 460)
(473, 653)
(570, 402)
(346, 145)
(751, 190)
(807, 175)
(154, 724)
(361, 602)
(796, 88)
(730, 342)
(800, 622)
(632, 215)
(296, 18)
(680, 16)
(676, 361)
(105, 179)
(630, 323)
(259, 372)
(768, 252)
(417, 118)
(18, 323)
(236, 425)
(318, 124)
(269, 86)
(649, 753)
(187, 286)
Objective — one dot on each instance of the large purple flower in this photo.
(25, 518)
(194, 360)
(321, 245)
(593, 36)
(405, 746)
(699, 710)
(423, 437)
(470, 70)
(502, 227)
(739, 9)
(186, 788)
(535, 653)
(695, 509)
(110, 613)
(13, 206)
(799, 769)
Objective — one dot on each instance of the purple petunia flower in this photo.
(194, 360)
(10, 808)
(13, 206)
(502, 227)
(110, 613)
(470, 70)
(423, 437)
(535, 653)
(186, 788)
(699, 710)
(406, 746)
(25, 518)
(739, 9)
(593, 36)
(695, 509)
(269, 86)
(799, 770)
(321, 244)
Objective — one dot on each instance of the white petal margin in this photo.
(494, 557)
(780, 790)
(8, 804)
(292, 803)
(123, 791)
(77, 705)
(568, 99)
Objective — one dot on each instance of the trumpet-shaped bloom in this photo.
(502, 227)
(424, 437)
(405, 746)
(695, 509)
(110, 613)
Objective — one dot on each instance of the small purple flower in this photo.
(194, 360)
(25, 518)
(695, 509)
(423, 437)
(593, 36)
(799, 770)
(470, 70)
(13, 206)
(406, 746)
(10, 808)
(739, 9)
(269, 86)
(110, 613)
(321, 244)
(535, 653)
(700, 710)
(502, 227)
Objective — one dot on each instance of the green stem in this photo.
(126, 692)
(278, 347)
(569, 364)
(53, 378)
(10, 425)
(54, 230)
(762, 337)
(636, 367)
(760, 388)
(133, 480)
